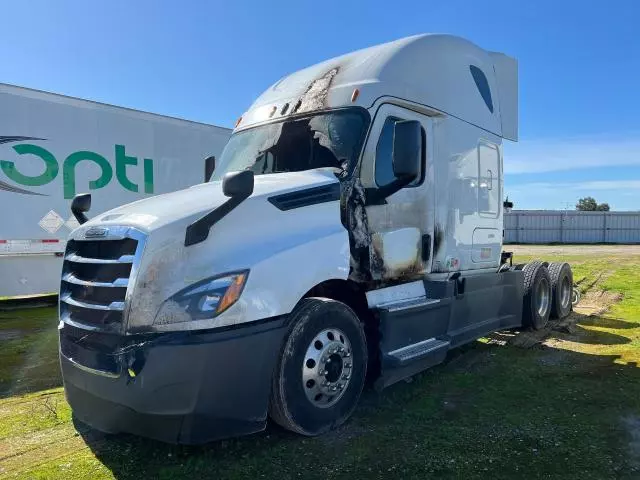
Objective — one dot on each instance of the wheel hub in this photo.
(543, 297)
(565, 294)
(327, 368)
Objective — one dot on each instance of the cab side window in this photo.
(384, 155)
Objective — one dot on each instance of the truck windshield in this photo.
(330, 139)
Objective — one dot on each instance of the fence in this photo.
(557, 226)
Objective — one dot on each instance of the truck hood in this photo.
(257, 236)
(156, 212)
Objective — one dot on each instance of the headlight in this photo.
(212, 296)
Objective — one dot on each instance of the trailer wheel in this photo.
(562, 289)
(322, 368)
(537, 295)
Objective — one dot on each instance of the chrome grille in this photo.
(96, 276)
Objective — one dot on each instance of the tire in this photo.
(318, 327)
(561, 289)
(536, 307)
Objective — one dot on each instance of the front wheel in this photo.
(322, 368)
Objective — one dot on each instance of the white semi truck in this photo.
(53, 146)
(352, 228)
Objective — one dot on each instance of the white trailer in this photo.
(353, 224)
(54, 146)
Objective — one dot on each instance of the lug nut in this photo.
(346, 377)
(347, 365)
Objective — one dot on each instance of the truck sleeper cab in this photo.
(352, 228)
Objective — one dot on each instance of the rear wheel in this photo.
(562, 289)
(537, 297)
(322, 368)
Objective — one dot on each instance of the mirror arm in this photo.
(377, 196)
(198, 231)
(80, 217)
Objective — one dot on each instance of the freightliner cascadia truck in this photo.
(351, 231)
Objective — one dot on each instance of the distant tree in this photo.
(589, 204)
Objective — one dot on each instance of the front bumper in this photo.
(189, 387)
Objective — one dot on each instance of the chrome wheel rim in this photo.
(542, 297)
(327, 367)
(565, 293)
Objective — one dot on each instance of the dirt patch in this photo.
(592, 304)
(597, 302)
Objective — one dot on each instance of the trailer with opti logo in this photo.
(53, 147)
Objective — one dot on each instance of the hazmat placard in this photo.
(51, 222)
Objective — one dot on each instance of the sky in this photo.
(579, 68)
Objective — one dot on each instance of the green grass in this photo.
(28, 352)
(566, 408)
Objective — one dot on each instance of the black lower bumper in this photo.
(187, 388)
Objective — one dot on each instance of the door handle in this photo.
(426, 247)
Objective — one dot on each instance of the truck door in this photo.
(401, 226)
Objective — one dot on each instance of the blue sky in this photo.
(207, 60)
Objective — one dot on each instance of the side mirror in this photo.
(407, 149)
(209, 167)
(238, 184)
(80, 204)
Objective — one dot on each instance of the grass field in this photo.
(564, 403)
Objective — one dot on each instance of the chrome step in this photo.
(417, 350)
(408, 304)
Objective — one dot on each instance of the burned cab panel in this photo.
(393, 226)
